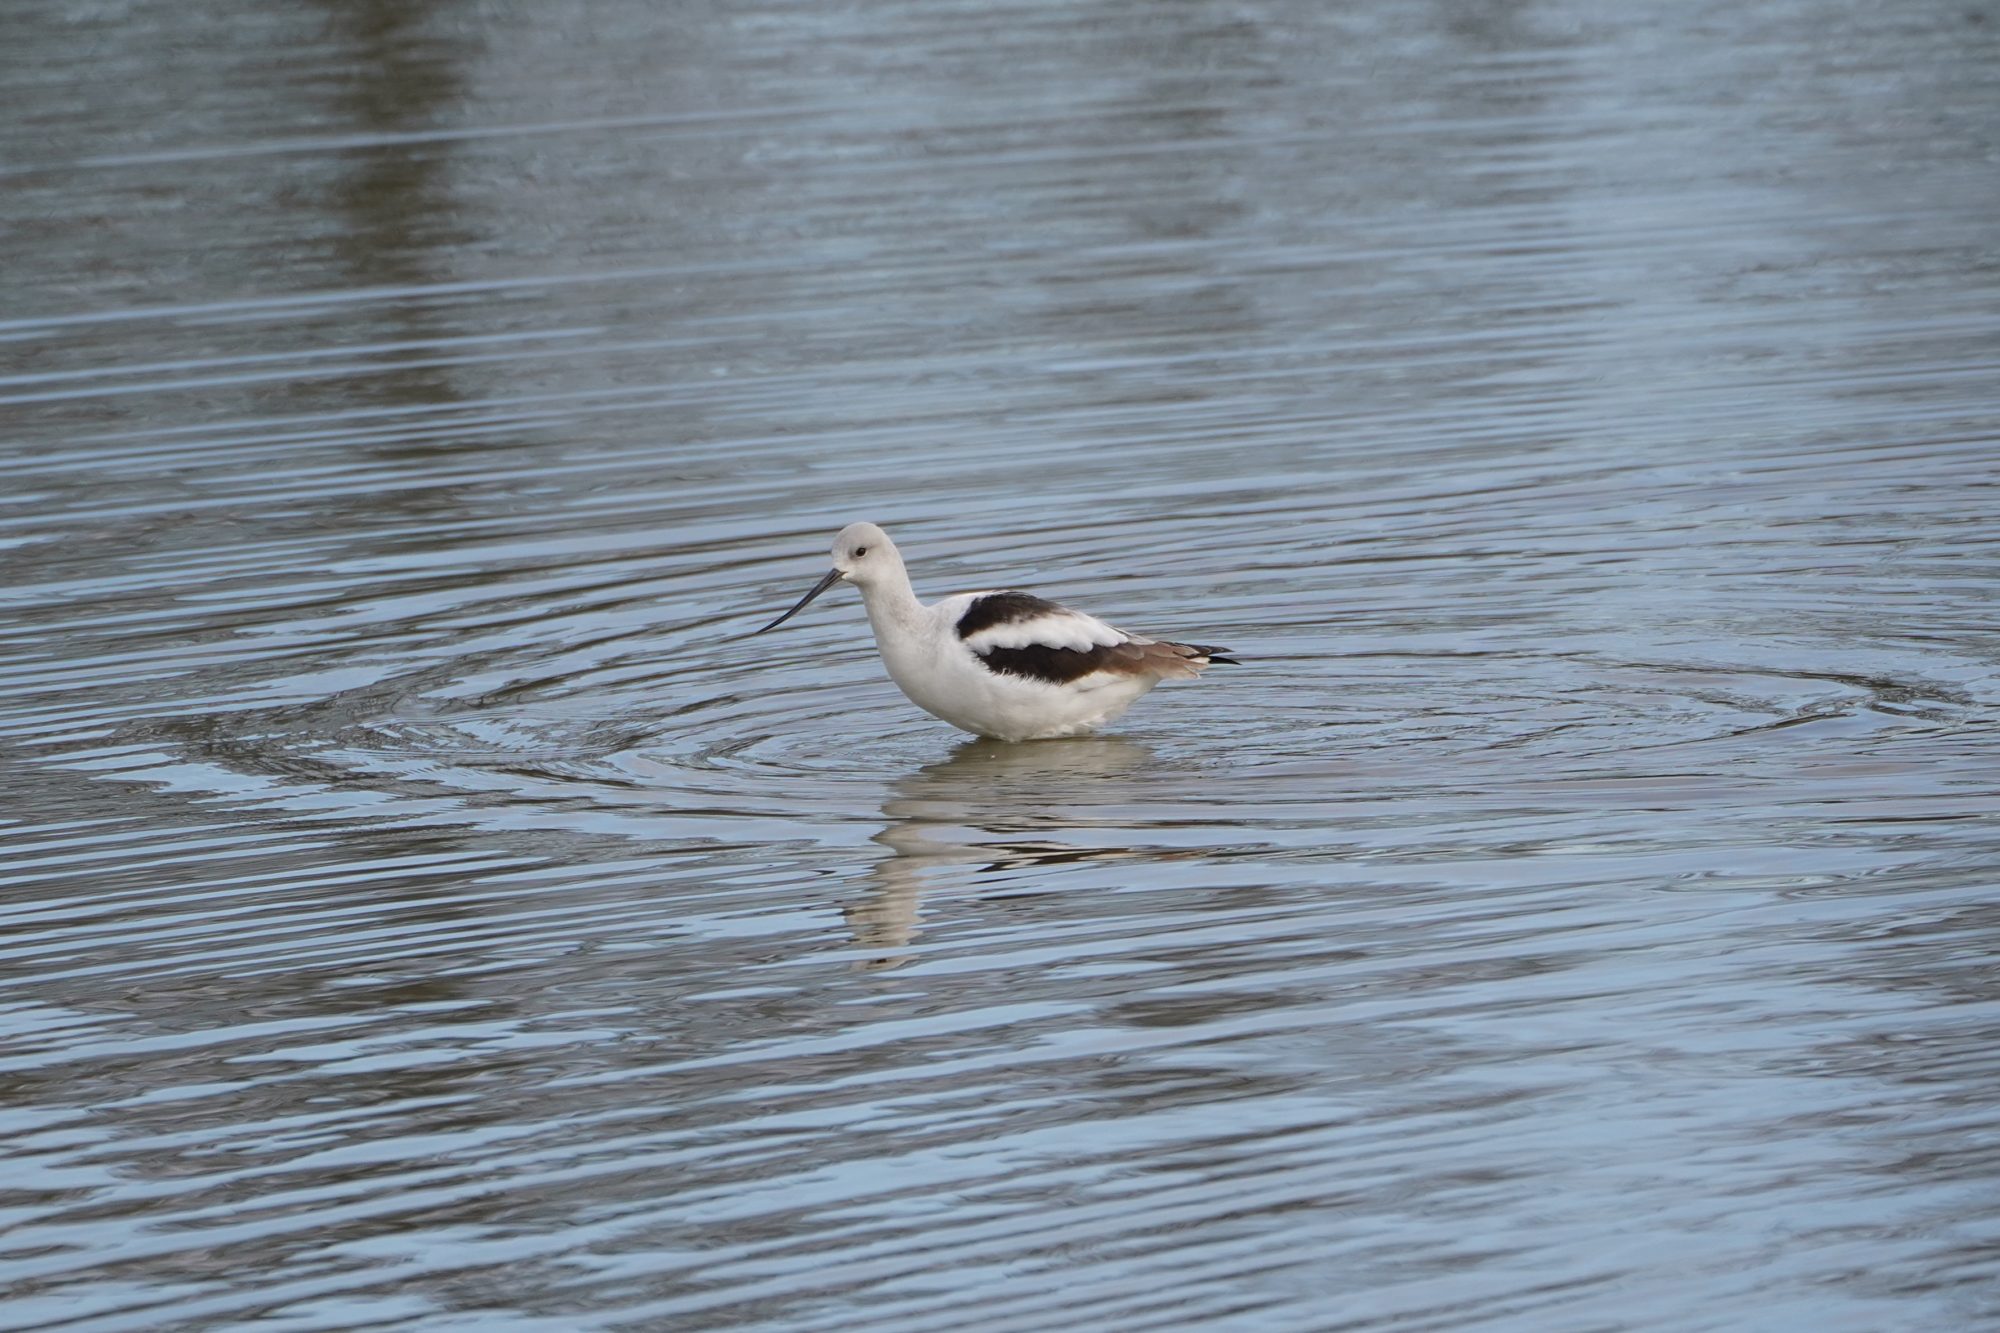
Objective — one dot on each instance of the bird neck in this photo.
(892, 603)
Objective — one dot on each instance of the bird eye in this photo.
(860, 551)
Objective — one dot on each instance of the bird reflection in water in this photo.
(987, 809)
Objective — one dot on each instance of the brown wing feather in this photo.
(1166, 660)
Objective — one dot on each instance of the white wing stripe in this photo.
(1069, 629)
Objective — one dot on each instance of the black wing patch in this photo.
(1004, 608)
(1143, 657)
(1039, 661)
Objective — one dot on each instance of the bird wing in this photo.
(992, 620)
(1019, 634)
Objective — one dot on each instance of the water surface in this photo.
(425, 909)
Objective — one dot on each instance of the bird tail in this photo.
(1214, 654)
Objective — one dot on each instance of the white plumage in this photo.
(1003, 664)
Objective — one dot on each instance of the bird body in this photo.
(1001, 663)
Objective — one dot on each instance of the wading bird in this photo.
(1003, 664)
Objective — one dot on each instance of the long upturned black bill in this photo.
(832, 577)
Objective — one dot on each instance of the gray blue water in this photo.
(421, 908)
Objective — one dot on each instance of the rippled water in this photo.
(424, 908)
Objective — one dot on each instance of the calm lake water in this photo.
(422, 908)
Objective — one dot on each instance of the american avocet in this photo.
(1001, 664)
